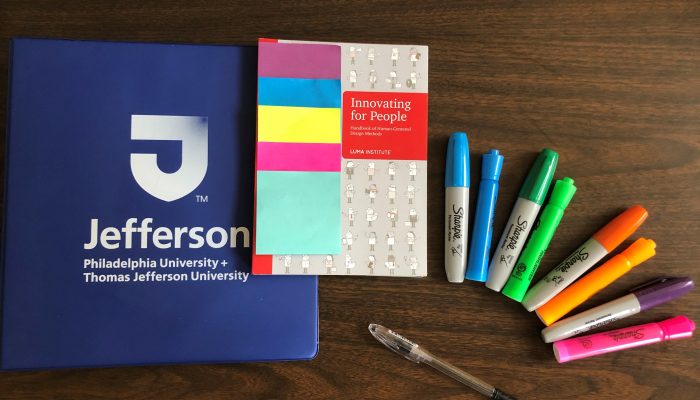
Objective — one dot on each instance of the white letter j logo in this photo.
(192, 132)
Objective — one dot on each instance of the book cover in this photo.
(341, 159)
(128, 213)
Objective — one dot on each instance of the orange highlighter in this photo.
(638, 252)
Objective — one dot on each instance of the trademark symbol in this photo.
(202, 199)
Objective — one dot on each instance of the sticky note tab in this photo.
(298, 60)
(322, 93)
(323, 157)
(298, 124)
(297, 213)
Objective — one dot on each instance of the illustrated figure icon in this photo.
(372, 192)
(370, 170)
(393, 80)
(371, 263)
(305, 263)
(394, 56)
(412, 81)
(410, 193)
(349, 264)
(370, 55)
(372, 240)
(353, 78)
(412, 170)
(413, 55)
(347, 240)
(390, 240)
(350, 169)
(393, 215)
(287, 263)
(412, 217)
(351, 216)
(391, 170)
(354, 52)
(372, 78)
(413, 264)
(371, 216)
(328, 262)
(390, 264)
(410, 240)
(349, 192)
(391, 194)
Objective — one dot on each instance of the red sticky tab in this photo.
(385, 125)
(262, 264)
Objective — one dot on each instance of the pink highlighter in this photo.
(639, 335)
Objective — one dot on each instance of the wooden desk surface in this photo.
(613, 86)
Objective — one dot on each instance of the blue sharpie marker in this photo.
(456, 206)
(478, 262)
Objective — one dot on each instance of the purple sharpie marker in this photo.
(643, 297)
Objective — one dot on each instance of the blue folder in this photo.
(129, 208)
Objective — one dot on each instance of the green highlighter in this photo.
(531, 256)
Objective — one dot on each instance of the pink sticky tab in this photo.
(311, 157)
(297, 60)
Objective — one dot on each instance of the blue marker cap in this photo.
(478, 261)
(491, 164)
(457, 164)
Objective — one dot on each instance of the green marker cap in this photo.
(536, 184)
(562, 193)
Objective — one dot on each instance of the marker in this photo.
(478, 265)
(456, 206)
(643, 297)
(530, 199)
(582, 290)
(536, 246)
(582, 259)
(679, 327)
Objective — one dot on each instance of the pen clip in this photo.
(654, 281)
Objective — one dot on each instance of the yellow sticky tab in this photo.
(298, 124)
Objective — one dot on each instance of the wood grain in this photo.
(613, 86)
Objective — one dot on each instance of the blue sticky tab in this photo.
(457, 161)
(296, 92)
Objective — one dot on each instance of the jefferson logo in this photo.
(192, 132)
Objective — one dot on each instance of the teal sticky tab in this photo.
(297, 213)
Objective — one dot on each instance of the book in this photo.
(128, 214)
(341, 167)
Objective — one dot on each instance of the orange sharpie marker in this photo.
(582, 259)
(571, 297)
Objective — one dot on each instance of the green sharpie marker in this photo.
(531, 256)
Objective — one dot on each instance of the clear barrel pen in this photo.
(402, 346)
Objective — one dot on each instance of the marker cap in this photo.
(491, 164)
(621, 227)
(639, 251)
(661, 290)
(540, 176)
(562, 193)
(679, 327)
(457, 161)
